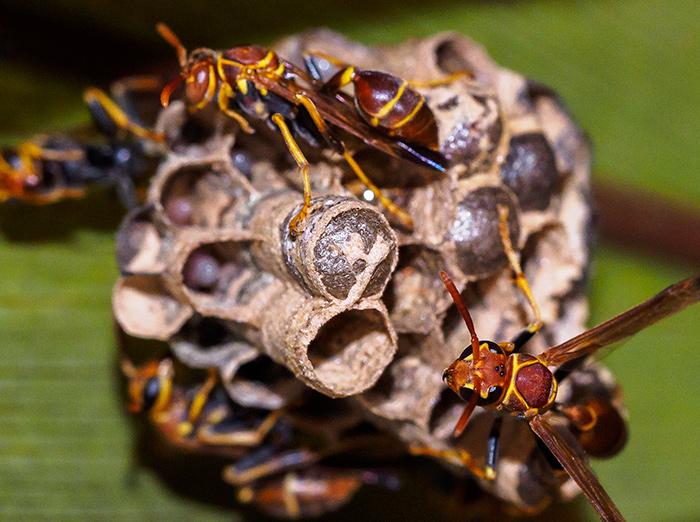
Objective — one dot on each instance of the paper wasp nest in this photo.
(354, 307)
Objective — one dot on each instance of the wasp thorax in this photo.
(532, 387)
(252, 56)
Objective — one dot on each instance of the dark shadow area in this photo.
(99, 211)
(67, 36)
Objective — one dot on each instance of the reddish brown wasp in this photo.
(273, 467)
(385, 112)
(496, 375)
(198, 418)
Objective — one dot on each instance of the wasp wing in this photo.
(343, 116)
(667, 302)
(573, 461)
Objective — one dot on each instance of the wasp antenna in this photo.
(467, 413)
(128, 368)
(457, 298)
(170, 37)
(168, 90)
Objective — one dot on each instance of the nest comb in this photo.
(354, 308)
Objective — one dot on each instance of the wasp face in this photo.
(149, 387)
(457, 375)
(199, 74)
(489, 371)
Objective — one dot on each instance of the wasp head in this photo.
(486, 373)
(150, 386)
(197, 70)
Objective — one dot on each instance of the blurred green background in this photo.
(629, 72)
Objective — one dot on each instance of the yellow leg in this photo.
(118, 116)
(318, 120)
(520, 279)
(295, 224)
(392, 207)
(28, 151)
(458, 456)
(225, 94)
(291, 459)
(198, 402)
(249, 438)
(439, 82)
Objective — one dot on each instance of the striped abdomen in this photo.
(391, 105)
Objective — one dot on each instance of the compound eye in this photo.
(495, 348)
(151, 390)
(466, 393)
(495, 393)
(198, 84)
(467, 352)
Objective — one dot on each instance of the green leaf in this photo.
(629, 72)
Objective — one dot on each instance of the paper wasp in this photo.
(199, 418)
(277, 460)
(385, 112)
(495, 375)
(51, 168)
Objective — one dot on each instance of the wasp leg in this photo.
(110, 117)
(241, 473)
(520, 281)
(246, 438)
(439, 82)
(126, 191)
(225, 94)
(303, 164)
(29, 151)
(492, 447)
(121, 90)
(198, 402)
(54, 196)
(340, 148)
(287, 489)
(457, 456)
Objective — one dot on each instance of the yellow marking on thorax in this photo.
(242, 85)
(347, 76)
(265, 61)
(511, 389)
